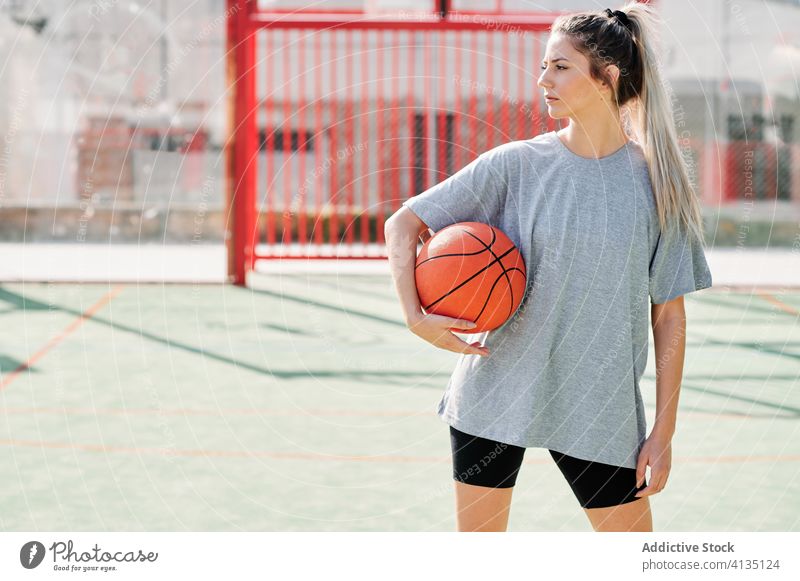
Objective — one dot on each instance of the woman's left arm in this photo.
(669, 335)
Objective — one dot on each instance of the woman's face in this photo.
(577, 94)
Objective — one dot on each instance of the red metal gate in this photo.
(337, 119)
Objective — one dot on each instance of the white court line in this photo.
(730, 267)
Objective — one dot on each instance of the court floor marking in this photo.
(71, 328)
(41, 444)
(240, 364)
(779, 303)
(749, 309)
(301, 414)
(751, 400)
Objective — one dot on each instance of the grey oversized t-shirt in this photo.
(563, 372)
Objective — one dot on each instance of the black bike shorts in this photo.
(483, 462)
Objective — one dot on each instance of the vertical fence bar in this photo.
(269, 142)
(318, 134)
(364, 119)
(412, 122)
(427, 109)
(536, 101)
(441, 142)
(379, 141)
(286, 132)
(395, 125)
(302, 144)
(505, 122)
(347, 155)
(473, 99)
(333, 220)
(489, 95)
(457, 116)
(521, 105)
(243, 147)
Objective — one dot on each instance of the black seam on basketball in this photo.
(485, 248)
(492, 263)
(508, 280)
(483, 308)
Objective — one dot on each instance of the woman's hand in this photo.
(657, 453)
(435, 329)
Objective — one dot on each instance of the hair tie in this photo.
(622, 17)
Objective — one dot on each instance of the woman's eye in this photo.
(543, 67)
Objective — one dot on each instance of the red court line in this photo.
(337, 458)
(276, 412)
(778, 303)
(87, 314)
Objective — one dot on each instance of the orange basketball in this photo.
(470, 271)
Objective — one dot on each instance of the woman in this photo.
(604, 223)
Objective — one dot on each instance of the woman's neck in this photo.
(597, 139)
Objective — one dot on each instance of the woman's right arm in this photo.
(401, 231)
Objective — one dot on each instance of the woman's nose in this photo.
(543, 80)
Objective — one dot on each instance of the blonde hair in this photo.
(643, 91)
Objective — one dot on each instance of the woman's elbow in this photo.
(406, 220)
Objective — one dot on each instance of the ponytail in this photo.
(653, 125)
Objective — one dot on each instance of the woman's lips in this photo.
(550, 99)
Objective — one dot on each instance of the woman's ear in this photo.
(612, 74)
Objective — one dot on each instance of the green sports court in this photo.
(304, 404)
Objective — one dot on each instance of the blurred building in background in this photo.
(115, 117)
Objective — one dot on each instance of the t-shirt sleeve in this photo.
(475, 193)
(678, 265)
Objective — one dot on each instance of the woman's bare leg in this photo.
(629, 517)
(481, 508)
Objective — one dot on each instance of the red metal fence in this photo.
(338, 119)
